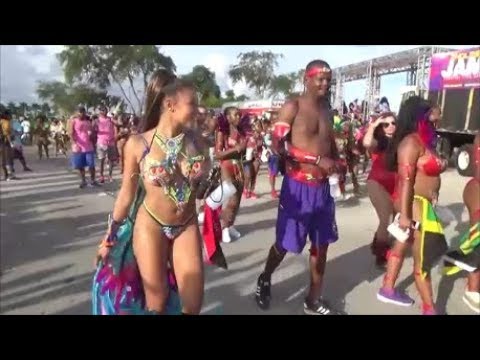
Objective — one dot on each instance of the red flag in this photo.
(212, 236)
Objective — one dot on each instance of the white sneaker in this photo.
(472, 299)
(234, 233)
(226, 235)
(201, 218)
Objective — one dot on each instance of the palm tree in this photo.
(35, 108)
(12, 108)
(23, 108)
(45, 109)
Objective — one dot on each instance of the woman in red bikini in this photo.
(412, 155)
(380, 181)
(467, 257)
(231, 143)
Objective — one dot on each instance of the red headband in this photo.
(317, 70)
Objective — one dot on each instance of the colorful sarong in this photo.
(117, 286)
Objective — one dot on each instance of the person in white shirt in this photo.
(58, 132)
(25, 124)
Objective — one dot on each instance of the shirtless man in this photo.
(303, 134)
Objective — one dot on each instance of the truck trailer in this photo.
(454, 85)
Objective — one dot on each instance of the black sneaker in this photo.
(262, 294)
(83, 185)
(94, 184)
(320, 307)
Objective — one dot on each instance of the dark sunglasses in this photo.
(386, 125)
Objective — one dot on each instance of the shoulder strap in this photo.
(147, 146)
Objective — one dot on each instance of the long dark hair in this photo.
(162, 83)
(412, 113)
(379, 133)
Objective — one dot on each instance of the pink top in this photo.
(82, 129)
(105, 131)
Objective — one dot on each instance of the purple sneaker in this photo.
(429, 312)
(393, 296)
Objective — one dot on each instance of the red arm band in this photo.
(281, 130)
(279, 135)
(302, 156)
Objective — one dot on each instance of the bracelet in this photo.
(105, 243)
(113, 226)
(317, 162)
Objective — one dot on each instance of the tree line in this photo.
(91, 70)
(25, 109)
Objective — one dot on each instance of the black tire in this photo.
(444, 147)
(464, 160)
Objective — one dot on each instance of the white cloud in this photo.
(23, 65)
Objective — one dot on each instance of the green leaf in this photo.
(257, 69)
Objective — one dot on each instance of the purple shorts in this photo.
(273, 165)
(305, 209)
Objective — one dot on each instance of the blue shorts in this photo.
(81, 160)
(273, 162)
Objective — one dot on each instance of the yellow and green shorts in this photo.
(467, 256)
(433, 244)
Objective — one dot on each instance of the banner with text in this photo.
(459, 69)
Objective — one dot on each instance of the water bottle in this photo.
(249, 154)
(335, 191)
(220, 195)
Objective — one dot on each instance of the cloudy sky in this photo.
(22, 66)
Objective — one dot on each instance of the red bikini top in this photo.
(432, 165)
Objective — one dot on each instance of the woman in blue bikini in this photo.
(153, 247)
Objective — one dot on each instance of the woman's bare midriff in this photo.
(165, 209)
(425, 186)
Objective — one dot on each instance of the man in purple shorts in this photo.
(303, 136)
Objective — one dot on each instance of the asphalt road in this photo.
(50, 229)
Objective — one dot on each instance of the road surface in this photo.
(50, 230)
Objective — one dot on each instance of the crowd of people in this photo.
(151, 259)
(182, 147)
